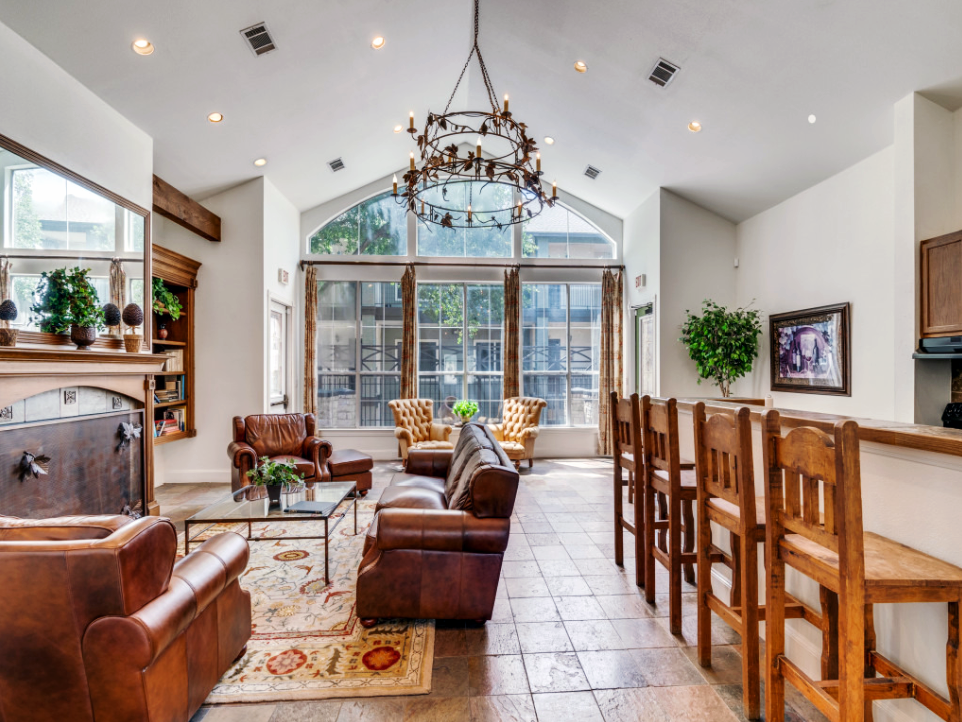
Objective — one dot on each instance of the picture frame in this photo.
(810, 350)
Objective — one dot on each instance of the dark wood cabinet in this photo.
(941, 267)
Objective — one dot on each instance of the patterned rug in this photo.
(307, 642)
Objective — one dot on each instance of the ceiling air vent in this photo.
(663, 72)
(592, 172)
(336, 165)
(259, 38)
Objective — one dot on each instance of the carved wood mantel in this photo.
(26, 371)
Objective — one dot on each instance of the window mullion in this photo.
(568, 365)
(358, 342)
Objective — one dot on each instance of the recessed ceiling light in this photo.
(142, 47)
(811, 119)
(260, 162)
(694, 126)
(398, 128)
(581, 67)
(377, 43)
(215, 117)
(549, 140)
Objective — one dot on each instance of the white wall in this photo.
(50, 112)
(642, 255)
(829, 244)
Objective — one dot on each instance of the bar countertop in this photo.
(894, 433)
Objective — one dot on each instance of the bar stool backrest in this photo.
(723, 458)
(814, 489)
(626, 432)
(659, 422)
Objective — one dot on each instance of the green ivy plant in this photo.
(67, 298)
(722, 343)
(275, 473)
(465, 409)
(165, 302)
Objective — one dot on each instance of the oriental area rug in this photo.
(307, 642)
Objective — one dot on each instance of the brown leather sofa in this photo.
(98, 622)
(435, 548)
(293, 436)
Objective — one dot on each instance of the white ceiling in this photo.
(752, 72)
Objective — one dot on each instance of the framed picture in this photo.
(811, 351)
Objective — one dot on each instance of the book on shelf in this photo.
(176, 360)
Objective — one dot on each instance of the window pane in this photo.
(486, 391)
(336, 401)
(381, 327)
(560, 233)
(376, 227)
(24, 288)
(445, 389)
(485, 311)
(376, 391)
(584, 399)
(585, 327)
(336, 326)
(39, 209)
(544, 345)
(554, 390)
(482, 241)
(91, 220)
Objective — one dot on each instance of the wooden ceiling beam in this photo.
(174, 205)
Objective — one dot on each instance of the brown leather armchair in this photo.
(416, 427)
(98, 622)
(279, 437)
(437, 541)
(519, 428)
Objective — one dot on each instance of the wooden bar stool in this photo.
(664, 473)
(861, 567)
(628, 456)
(726, 496)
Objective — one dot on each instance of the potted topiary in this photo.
(133, 316)
(8, 313)
(274, 475)
(68, 302)
(722, 343)
(464, 410)
(112, 319)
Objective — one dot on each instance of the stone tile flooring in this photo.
(571, 637)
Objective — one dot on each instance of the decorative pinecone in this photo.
(8, 311)
(111, 314)
(133, 315)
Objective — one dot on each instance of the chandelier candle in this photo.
(506, 105)
(538, 158)
(413, 166)
(411, 126)
(469, 212)
(395, 184)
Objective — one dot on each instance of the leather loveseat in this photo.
(99, 624)
(435, 547)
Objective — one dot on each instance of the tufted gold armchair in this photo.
(519, 428)
(416, 427)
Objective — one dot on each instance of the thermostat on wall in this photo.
(283, 276)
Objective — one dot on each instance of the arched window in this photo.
(375, 227)
(561, 233)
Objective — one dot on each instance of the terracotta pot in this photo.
(133, 343)
(8, 336)
(83, 336)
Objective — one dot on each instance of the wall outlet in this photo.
(283, 277)
(736, 262)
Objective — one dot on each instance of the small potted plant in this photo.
(465, 410)
(273, 475)
(112, 319)
(165, 304)
(132, 316)
(8, 313)
(68, 302)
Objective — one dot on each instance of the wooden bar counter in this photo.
(911, 493)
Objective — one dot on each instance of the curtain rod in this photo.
(305, 264)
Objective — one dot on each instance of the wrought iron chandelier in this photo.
(444, 190)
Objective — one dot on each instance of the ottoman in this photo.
(351, 465)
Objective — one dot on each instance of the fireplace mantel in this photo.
(26, 371)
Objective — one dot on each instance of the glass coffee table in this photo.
(251, 504)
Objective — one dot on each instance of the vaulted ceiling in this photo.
(751, 72)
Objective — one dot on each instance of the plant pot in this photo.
(83, 336)
(274, 493)
(162, 332)
(8, 336)
(132, 343)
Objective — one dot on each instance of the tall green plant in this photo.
(722, 343)
(67, 298)
(165, 301)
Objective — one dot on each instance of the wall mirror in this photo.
(51, 218)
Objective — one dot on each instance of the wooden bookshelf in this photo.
(179, 274)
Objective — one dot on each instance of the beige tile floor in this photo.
(571, 638)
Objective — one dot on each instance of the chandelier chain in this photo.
(476, 50)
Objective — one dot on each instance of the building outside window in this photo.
(483, 241)
(375, 227)
(561, 233)
(560, 350)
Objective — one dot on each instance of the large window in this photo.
(359, 327)
(561, 349)
(376, 227)
(484, 241)
(459, 346)
(560, 233)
